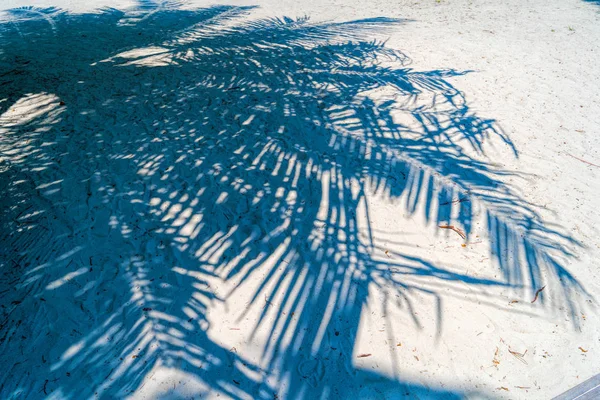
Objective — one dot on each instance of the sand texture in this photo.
(299, 200)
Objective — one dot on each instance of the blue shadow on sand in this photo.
(163, 150)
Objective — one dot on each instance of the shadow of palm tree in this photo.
(160, 155)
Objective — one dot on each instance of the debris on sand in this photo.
(495, 361)
(461, 200)
(537, 293)
(583, 161)
(455, 229)
(519, 356)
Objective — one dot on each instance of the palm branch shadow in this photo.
(262, 145)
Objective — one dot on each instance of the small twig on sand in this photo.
(267, 302)
(538, 293)
(455, 229)
(455, 201)
(583, 161)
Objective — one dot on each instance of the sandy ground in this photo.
(215, 201)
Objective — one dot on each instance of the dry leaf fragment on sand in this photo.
(514, 353)
(582, 349)
(537, 293)
(364, 355)
(495, 361)
(455, 229)
(519, 356)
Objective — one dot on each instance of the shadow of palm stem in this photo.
(160, 154)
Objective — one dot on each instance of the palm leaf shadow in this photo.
(263, 144)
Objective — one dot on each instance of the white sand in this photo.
(193, 205)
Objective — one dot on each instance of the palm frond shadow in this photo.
(255, 146)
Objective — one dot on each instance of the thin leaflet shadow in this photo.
(152, 158)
